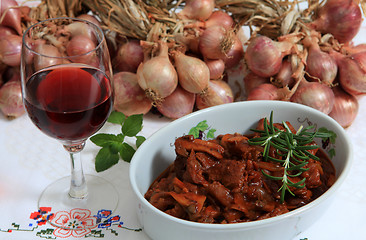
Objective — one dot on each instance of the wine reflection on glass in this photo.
(68, 94)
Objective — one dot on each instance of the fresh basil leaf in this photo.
(127, 152)
(104, 139)
(132, 125)
(139, 140)
(211, 133)
(105, 159)
(195, 132)
(117, 117)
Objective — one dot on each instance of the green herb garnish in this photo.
(113, 146)
(292, 149)
(199, 131)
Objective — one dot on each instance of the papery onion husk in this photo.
(218, 92)
(345, 107)
(177, 104)
(315, 95)
(264, 56)
(157, 76)
(11, 102)
(193, 73)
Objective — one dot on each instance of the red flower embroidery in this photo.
(77, 223)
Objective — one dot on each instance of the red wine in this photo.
(69, 102)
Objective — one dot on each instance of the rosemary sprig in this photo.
(292, 150)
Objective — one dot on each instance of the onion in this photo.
(12, 17)
(193, 73)
(341, 18)
(216, 68)
(345, 107)
(251, 81)
(80, 28)
(264, 91)
(80, 49)
(129, 98)
(352, 72)
(129, 56)
(157, 76)
(177, 104)
(6, 31)
(315, 95)
(197, 9)
(218, 92)
(219, 18)
(41, 61)
(89, 18)
(320, 65)
(234, 54)
(284, 76)
(10, 50)
(215, 42)
(264, 56)
(11, 102)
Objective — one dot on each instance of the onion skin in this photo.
(129, 56)
(220, 18)
(216, 68)
(218, 92)
(157, 76)
(41, 61)
(13, 15)
(315, 95)
(11, 102)
(352, 73)
(320, 65)
(345, 107)
(251, 81)
(197, 9)
(129, 98)
(212, 42)
(265, 91)
(10, 50)
(264, 56)
(193, 73)
(6, 31)
(284, 75)
(234, 54)
(341, 18)
(177, 104)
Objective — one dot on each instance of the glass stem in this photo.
(78, 188)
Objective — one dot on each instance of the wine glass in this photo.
(67, 92)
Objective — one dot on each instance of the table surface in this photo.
(30, 161)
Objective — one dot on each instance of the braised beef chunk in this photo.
(223, 181)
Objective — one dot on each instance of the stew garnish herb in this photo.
(292, 146)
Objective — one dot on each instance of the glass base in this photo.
(78, 214)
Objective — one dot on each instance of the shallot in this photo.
(6, 31)
(129, 98)
(341, 18)
(218, 92)
(10, 50)
(320, 65)
(215, 42)
(157, 76)
(216, 68)
(197, 9)
(315, 95)
(264, 91)
(264, 56)
(284, 76)
(177, 104)
(129, 56)
(234, 54)
(345, 107)
(11, 102)
(352, 72)
(42, 61)
(11, 15)
(252, 80)
(219, 18)
(80, 49)
(193, 73)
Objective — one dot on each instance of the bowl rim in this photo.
(257, 223)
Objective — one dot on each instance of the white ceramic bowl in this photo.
(157, 153)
